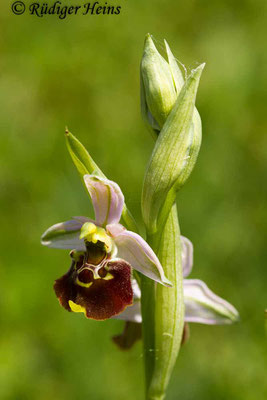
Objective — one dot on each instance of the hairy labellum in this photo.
(100, 290)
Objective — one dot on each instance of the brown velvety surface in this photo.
(104, 298)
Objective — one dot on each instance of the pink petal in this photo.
(134, 249)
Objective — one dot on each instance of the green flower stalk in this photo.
(168, 106)
(169, 308)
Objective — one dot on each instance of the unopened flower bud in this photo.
(174, 155)
(158, 92)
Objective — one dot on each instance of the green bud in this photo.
(194, 136)
(174, 155)
(158, 92)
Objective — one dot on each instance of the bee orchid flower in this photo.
(99, 281)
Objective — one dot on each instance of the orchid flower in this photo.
(99, 281)
(201, 304)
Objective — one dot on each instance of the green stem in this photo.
(169, 308)
(148, 327)
(148, 290)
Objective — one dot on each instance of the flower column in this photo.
(167, 105)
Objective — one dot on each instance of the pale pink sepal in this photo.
(205, 307)
(201, 306)
(65, 235)
(187, 256)
(107, 199)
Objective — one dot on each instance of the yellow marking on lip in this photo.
(76, 307)
(108, 277)
(86, 285)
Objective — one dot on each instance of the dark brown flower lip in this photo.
(100, 292)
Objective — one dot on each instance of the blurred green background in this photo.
(83, 72)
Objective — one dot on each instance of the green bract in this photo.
(174, 155)
(86, 165)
